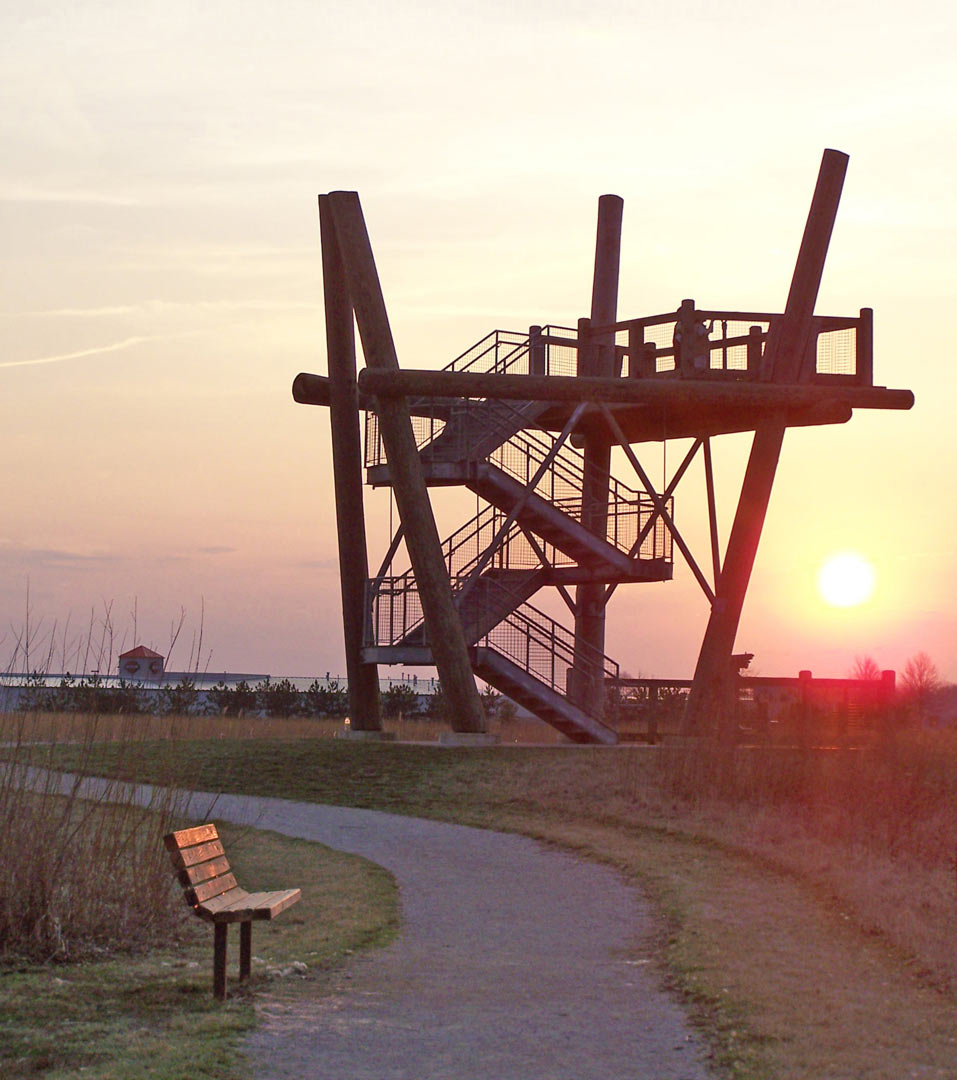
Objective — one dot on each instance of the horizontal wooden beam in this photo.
(468, 384)
(642, 424)
(314, 390)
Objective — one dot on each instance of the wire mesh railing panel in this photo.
(465, 547)
(662, 335)
(561, 350)
(374, 450)
(501, 351)
(426, 429)
(562, 485)
(836, 352)
(545, 649)
(393, 609)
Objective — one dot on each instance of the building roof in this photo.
(141, 653)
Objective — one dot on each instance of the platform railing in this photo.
(734, 345)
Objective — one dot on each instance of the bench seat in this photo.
(238, 905)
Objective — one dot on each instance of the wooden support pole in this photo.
(536, 351)
(754, 352)
(220, 933)
(245, 949)
(711, 693)
(363, 678)
(597, 357)
(636, 348)
(864, 353)
(443, 626)
(653, 392)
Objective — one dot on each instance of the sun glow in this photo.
(846, 580)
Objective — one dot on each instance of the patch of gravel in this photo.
(514, 961)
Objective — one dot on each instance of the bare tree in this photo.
(920, 681)
(865, 667)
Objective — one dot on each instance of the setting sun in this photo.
(846, 579)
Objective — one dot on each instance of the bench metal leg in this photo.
(245, 949)
(220, 930)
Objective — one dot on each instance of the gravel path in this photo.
(510, 964)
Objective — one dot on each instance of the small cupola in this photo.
(141, 663)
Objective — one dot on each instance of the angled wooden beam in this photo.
(712, 512)
(709, 702)
(364, 710)
(444, 628)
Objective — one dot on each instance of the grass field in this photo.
(808, 900)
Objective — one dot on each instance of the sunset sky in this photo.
(161, 287)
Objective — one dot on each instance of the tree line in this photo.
(321, 699)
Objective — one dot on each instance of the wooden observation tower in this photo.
(527, 421)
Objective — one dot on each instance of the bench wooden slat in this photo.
(184, 857)
(274, 902)
(193, 875)
(199, 834)
(211, 907)
(207, 890)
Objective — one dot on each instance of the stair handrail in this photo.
(556, 645)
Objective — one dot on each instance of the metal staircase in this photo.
(530, 534)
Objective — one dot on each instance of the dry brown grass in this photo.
(875, 830)
(75, 727)
(78, 876)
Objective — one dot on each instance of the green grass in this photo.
(153, 1015)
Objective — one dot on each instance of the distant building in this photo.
(141, 663)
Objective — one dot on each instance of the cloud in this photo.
(24, 194)
(126, 343)
(73, 313)
(319, 564)
(54, 557)
(215, 549)
(160, 307)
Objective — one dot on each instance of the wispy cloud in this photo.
(99, 350)
(37, 194)
(162, 307)
(72, 313)
(318, 564)
(53, 557)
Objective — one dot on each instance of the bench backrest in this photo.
(201, 863)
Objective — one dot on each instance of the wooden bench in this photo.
(214, 895)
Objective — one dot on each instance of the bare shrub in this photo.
(82, 865)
